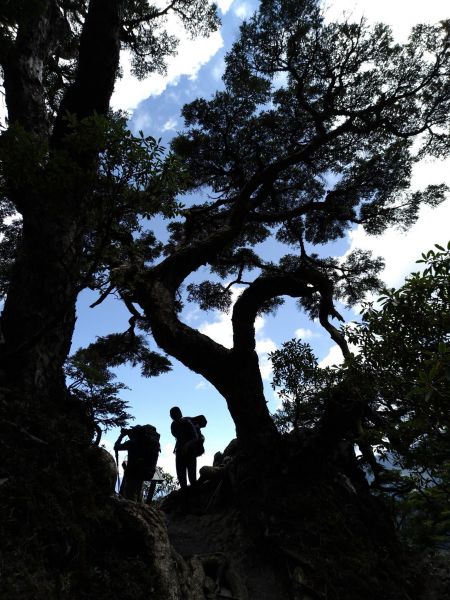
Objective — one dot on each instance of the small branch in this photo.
(103, 296)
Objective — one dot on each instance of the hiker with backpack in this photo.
(189, 444)
(143, 449)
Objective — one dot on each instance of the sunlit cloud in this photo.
(306, 334)
(265, 367)
(191, 55)
(169, 125)
(224, 5)
(400, 250)
(265, 345)
(402, 15)
(334, 357)
(221, 331)
(243, 10)
(201, 385)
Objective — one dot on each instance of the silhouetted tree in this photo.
(312, 135)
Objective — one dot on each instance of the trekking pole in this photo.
(118, 472)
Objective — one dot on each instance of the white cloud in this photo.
(224, 5)
(305, 334)
(220, 330)
(201, 385)
(169, 125)
(265, 367)
(191, 55)
(265, 345)
(334, 357)
(402, 15)
(259, 324)
(242, 10)
(400, 250)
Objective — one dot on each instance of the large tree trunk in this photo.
(39, 313)
(241, 385)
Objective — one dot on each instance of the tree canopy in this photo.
(313, 134)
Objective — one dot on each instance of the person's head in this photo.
(175, 413)
(134, 432)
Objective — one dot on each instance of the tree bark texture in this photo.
(24, 69)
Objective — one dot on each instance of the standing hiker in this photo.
(143, 449)
(189, 444)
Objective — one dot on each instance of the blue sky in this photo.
(154, 106)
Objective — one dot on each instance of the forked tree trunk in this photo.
(235, 374)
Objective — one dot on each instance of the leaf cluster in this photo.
(298, 382)
(92, 380)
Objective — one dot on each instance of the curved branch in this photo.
(252, 299)
(195, 350)
(302, 283)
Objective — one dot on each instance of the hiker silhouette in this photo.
(189, 444)
(143, 449)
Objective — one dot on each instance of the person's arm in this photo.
(119, 445)
(175, 430)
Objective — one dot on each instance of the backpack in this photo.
(144, 457)
(198, 422)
